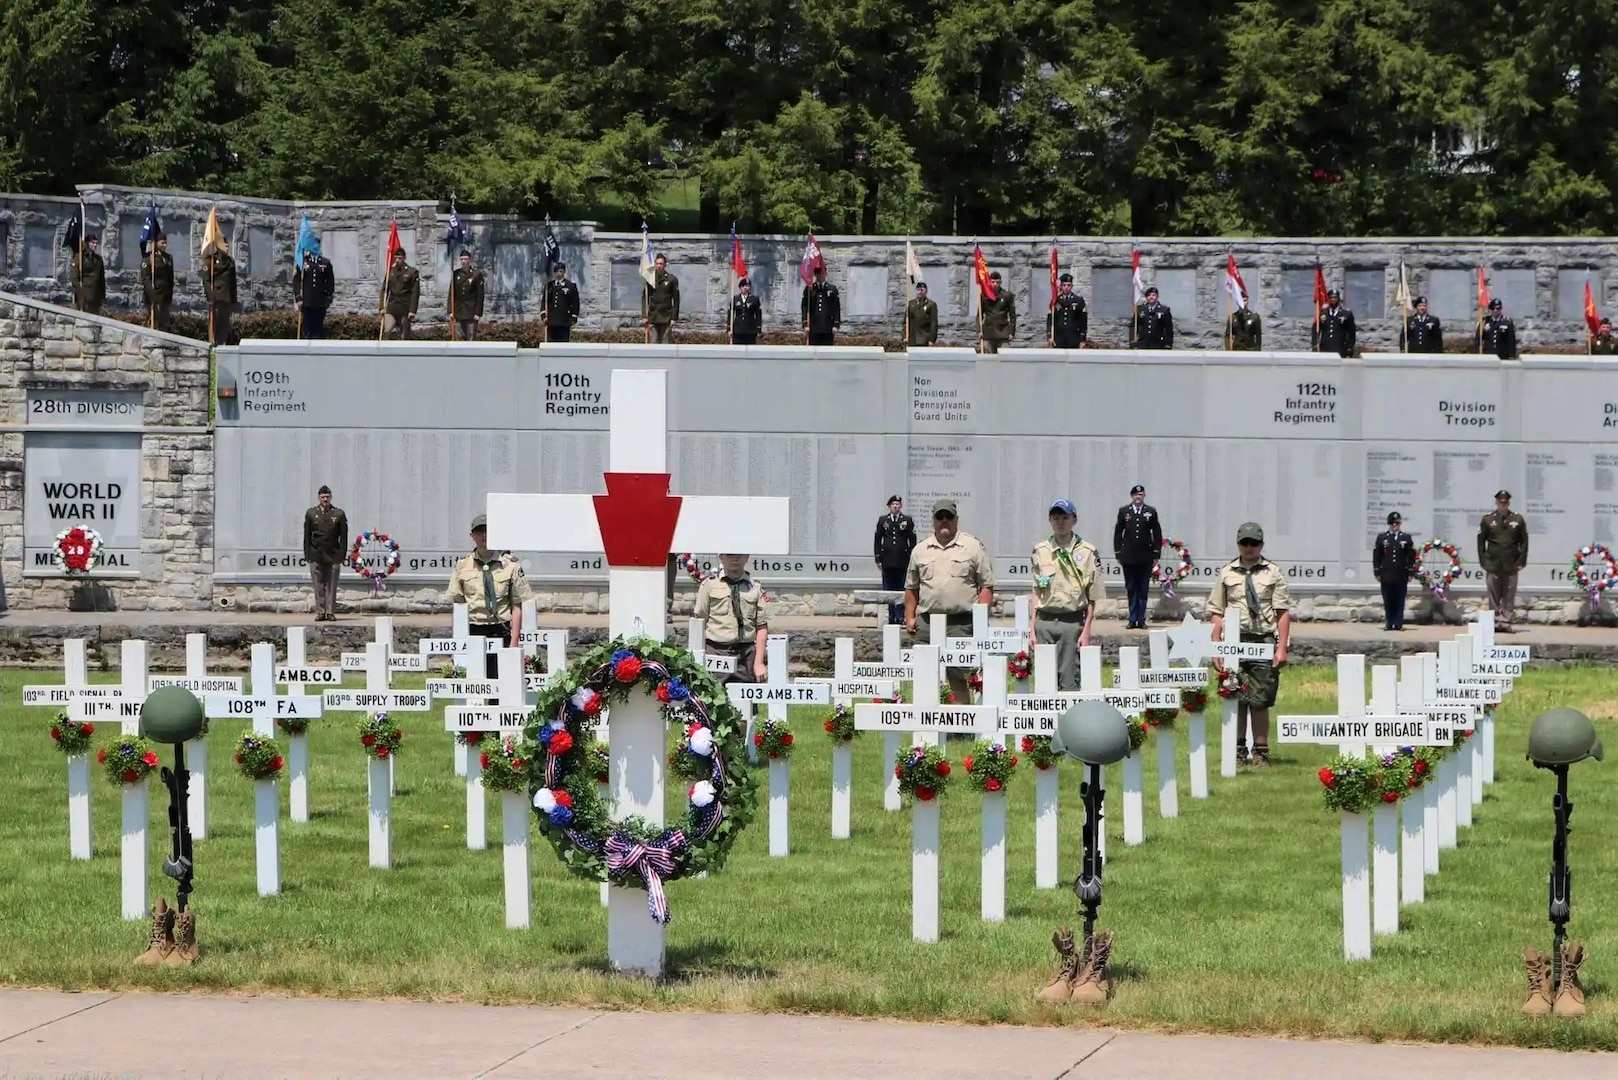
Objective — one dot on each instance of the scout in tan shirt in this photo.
(493, 589)
(949, 572)
(1256, 589)
(1067, 587)
(735, 622)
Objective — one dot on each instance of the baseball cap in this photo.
(1503, 494)
(1394, 516)
(944, 506)
(1064, 506)
(1137, 490)
(1250, 531)
(480, 522)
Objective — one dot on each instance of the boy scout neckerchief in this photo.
(489, 592)
(736, 602)
(1252, 593)
(1064, 559)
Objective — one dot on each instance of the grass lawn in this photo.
(1227, 919)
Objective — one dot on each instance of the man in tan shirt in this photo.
(949, 572)
(1067, 587)
(1256, 590)
(735, 623)
(493, 589)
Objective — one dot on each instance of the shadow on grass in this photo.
(689, 963)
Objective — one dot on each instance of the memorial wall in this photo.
(411, 437)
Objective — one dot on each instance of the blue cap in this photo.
(1064, 506)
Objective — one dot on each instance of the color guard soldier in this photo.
(895, 540)
(1154, 323)
(493, 588)
(1335, 331)
(402, 297)
(1393, 560)
(746, 315)
(313, 285)
(561, 305)
(1604, 344)
(1068, 324)
(1256, 590)
(219, 287)
(1067, 588)
(325, 546)
(90, 277)
(822, 310)
(921, 319)
(949, 572)
(734, 620)
(1244, 330)
(999, 316)
(1502, 552)
(662, 300)
(1498, 334)
(1423, 332)
(157, 282)
(1137, 540)
(466, 298)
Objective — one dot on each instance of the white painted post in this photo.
(1196, 749)
(379, 776)
(1412, 843)
(1047, 784)
(461, 627)
(1090, 681)
(1460, 647)
(842, 753)
(1229, 716)
(298, 744)
(1168, 738)
(514, 805)
(1134, 783)
(1351, 697)
(1385, 818)
(384, 636)
(136, 799)
(76, 672)
(196, 750)
(1356, 888)
(1426, 670)
(993, 860)
(780, 768)
(1448, 768)
(925, 839)
(1482, 641)
(266, 794)
(892, 653)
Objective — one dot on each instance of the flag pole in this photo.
(382, 300)
(210, 298)
(730, 309)
(151, 299)
(453, 325)
(297, 301)
(1589, 337)
(1230, 336)
(1480, 311)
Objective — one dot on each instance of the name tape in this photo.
(1497, 669)
(308, 676)
(484, 718)
(852, 688)
(355, 661)
(1244, 650)
(882, 671)
(1029, 721)
(225, 706)
(1506, 652)
(449, 646)
(62, 695)
(1489, 693)
(719, 665)
(1410, 730)
(84, 709)
(541, 637)
(197, 684)
(1186, 678)
(463, 688)
(960, 656)
(534, 682)
(366, 700)
(808, 693)
(946, 718)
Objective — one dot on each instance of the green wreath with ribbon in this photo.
(711, 756)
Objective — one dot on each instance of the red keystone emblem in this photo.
(637, 517)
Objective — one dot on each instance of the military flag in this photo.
(73, 239)
(1320, 293)
(648, 271)
(550, 252)
(980, 270)
(1137, 282)
(387, 265)
(213, 237)
(149, 231)
(912, 264)
(459, 235)
(308, 242)
(812, 260)
(1592, 317)
(1483, 304)
(738, 265)
(1234, 285)
(1402, 299)
(1056, 269)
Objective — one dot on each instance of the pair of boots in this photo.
(1569, 995)
(1258, 757)
(1083, 974)
(173, 941)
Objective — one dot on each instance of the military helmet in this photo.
(1562, 736)
(173, 714)
(1093, 732)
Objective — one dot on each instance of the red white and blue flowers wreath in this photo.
(711, 757)
(390, 561)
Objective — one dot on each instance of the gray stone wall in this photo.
(1540, 280)
(46, 347)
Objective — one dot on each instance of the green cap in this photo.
(1250, 531)
(944, 506)
(480, 522)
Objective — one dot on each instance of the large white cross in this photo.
(636, 516)
(125, 707)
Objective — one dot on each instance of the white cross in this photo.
(637, 441)
(1191, 641)
(296, 674)
(75, 676)
(197, 680)
(998, 640)
(397, 661)
(1354, 728)
(844, 689)
(1230, 652)
(264, 706)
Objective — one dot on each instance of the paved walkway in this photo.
(44, 1033)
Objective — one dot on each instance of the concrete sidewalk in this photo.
(45, 1033)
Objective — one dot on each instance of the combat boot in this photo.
(161, 942)
(1261, 757)
(1061, 987)
(1538, 967)
(1092, 987)
(1569, 994)
(185, 940)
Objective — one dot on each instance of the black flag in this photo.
(75, 232)
(551, 253)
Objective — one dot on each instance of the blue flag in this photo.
(307, 242)
(149, 231)
(551, 252)
(459, 235)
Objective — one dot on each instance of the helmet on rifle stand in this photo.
(171, 714)
(1093, 732)
(1562, 736)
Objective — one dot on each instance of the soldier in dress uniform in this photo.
(1604, 344)
(1334, 331)
(493, 589)
(895, 540)
(1137, 539)
(999, 316)
(949, 572)
(746, 315)
(1502, 552)
(1256, 590)
(313, 285)
(466, 298)
(402, 295)
(1068, 324)
(561, 303)
(157, 281)
(1154, 323)
(1393, 560)
(89, 277)
(1244, 330)
(1423, 332)
(822, 310)
(735, 623)
(662, 300)
(219, 287)
(1067, 588)
(1498, 334)
(921, 319)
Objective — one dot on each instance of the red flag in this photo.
(1320, 292)
(812, 260)
(1483, 293)
(1592, 317)
(1234, 285)
(393, 242)
(1055, 267)
(738, 265)
(980, 270)
(1136, 282)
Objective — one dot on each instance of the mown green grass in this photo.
(1227, 919)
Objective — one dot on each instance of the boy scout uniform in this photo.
(947, 579)
(1257, 596)
(1067, 582)
(732, 610)
(491, 589)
